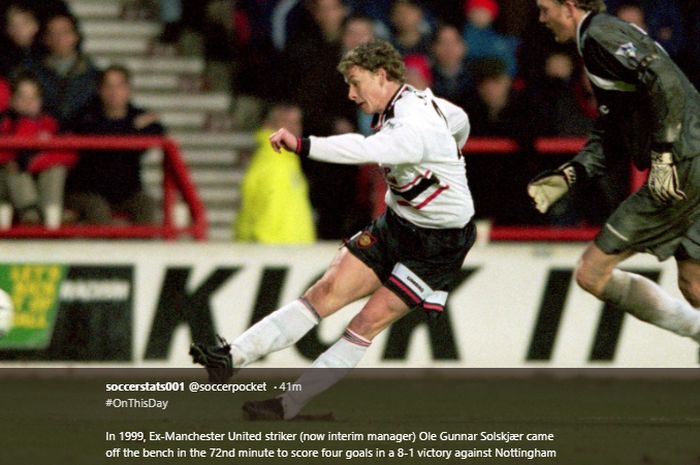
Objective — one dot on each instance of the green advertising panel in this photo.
(65, 312)
(34, 291)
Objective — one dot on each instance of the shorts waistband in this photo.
(391, 215)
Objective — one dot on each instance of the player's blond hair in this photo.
(596, 6)
(375, 55)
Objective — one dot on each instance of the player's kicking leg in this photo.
(639, 296)
(382, 309)
(216, 359)
(346, 280)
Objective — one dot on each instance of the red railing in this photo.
(176, 180)
(545, 147)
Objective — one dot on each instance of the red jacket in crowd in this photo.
(42, 127)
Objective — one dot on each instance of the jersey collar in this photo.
(379, 118)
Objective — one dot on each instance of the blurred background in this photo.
(215, 75)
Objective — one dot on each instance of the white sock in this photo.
(276, 331)
(341, 357)
(645, 300)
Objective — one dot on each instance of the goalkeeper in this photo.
(650, 112)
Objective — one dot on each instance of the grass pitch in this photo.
(591, 421)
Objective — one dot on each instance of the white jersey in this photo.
(417, 143)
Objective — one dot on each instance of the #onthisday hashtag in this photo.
(137, 403)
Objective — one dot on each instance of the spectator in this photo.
(19, 47)
(482, 38)
(493, 100)
(275, 207)
(226, 32)
(378, 10)
(632, 13)
(170, 13)
(222, 33)
(418, 73)
(174, 17)
(43, 9)
(449, 12)
(666, 25)
(515, 17)
(107, 183)
(67, 75)
(261, 31)
(496, 111)
(411, 31)
(537, 44)
(319, 89)
(662, 19)
(554, 101)
(452, 79)
(35, 179)
(46, 9)
(357, 29)
(312, 79)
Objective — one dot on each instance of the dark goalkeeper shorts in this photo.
(643, 224)
(419, 265)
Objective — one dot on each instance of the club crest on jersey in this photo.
(627, 50)
(366, 240)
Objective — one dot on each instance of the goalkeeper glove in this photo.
(663, 178)
(551, 185)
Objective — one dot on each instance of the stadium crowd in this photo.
(48, 85)
(490, 57)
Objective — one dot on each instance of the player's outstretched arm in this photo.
(550, 186)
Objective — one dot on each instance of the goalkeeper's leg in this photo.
(637, 295)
